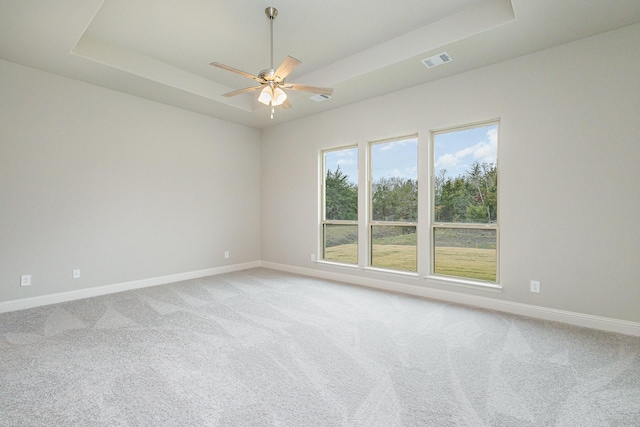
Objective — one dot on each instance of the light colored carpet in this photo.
(265, 348)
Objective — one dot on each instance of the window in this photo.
(340, 206)
(461, 202)
(464, 226)
(393, 202)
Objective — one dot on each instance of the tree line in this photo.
(470, 197)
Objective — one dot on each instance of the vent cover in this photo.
(436, 60)
(319, 97)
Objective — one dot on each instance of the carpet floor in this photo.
(266, 348)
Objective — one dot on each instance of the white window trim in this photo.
(452, 280)
(323, 221)
(337, 264)
(392, 272)
(463, 283)
(424, 228)
(369, 202)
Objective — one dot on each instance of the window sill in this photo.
(471, 284)
(369, 269)
(392, 272)
(336, 264)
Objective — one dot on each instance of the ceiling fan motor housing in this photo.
(268, 74)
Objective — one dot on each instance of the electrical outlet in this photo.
(313, 257)
(535, 286)
(25, 280)
(226, 254)
(75, 274)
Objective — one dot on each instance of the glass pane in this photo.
(394, 247)
(466, 175)
(394, 174)
(468, 253)
(341, 184)
(341, 243)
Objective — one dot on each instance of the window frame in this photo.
(370, 224)
(433, 225)
(425, 226)
(323, 207)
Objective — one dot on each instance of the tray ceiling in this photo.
(161, 49)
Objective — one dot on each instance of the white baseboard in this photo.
(569, 317)
(38, 301)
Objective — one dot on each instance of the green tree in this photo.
(471, 197)
(438, 183)
(482, 177)
(395, 199)
(341, 196)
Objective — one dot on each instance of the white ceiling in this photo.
(161, 49)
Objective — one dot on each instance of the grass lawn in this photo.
(469, 263)
(396, 257)
(347, 254)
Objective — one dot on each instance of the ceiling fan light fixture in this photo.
(271, 96)
(279, 96)
(266, 95)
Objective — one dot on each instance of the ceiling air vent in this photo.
(319, 97)
(436, 60)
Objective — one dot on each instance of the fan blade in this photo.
(235, 70)
(312, 89)
(288, 65)
(286, 104)
(240, 91)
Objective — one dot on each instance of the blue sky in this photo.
(453, 151)
(346, 159)
(395, 158)
(456, 151)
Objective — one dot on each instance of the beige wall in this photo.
(569, 159)
(117, 186)
(126, 189)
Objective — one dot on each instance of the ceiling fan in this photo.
(272, 81)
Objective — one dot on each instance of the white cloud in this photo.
(483, 151)
(387, 147)
(346, 161)
(493, 136)
(411, 172)
(447, 161)
(487, 151)
(391, 145)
